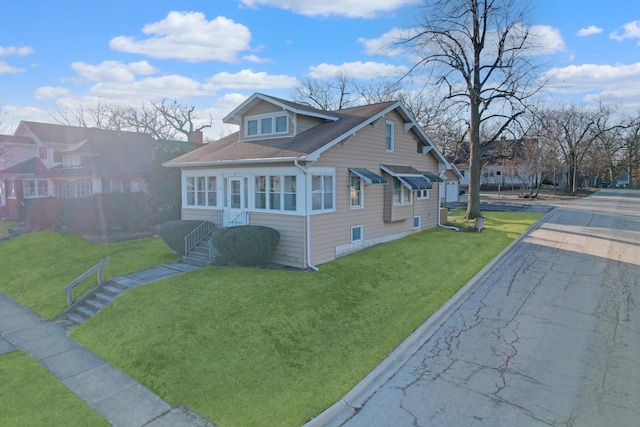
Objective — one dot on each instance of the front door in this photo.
(236, 202)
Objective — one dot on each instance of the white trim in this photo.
(392, 125)
(231, 117)
(259, 118)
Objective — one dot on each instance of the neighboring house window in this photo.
(201, 191)
(12, 189)
(32, 188)
(389, 137)
(322, 191)
(356, 191)
(275, 192)
(357, 234)
(422, 194)
(71, 161)
(416, 222)
(42, 153)
(73, 189)
(267, 124)
(115, 185)
(401, 193)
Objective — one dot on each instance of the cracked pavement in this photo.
(550, 336)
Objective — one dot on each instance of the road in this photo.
(550, 336)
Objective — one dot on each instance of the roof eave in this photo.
(235, 162)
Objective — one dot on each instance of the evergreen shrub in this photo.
(247, 245)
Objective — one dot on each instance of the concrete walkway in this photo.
(112, 394)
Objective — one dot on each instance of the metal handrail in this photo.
(98, 267)
(198, 234)
(241, 219)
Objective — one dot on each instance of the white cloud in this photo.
(5, 68)
(388, 44)
(45, 93)
(629, 31)
(16, 51)
(545, 40)
(247, 79)
(348, 8)
(190, 37)
(254, 58)
(113, 71)
(171, 87)
(591, 77)
(361, 70)
(589, 31)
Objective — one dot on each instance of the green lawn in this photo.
(36, 266)
(249, 347)
(31, 396)
(6, 228)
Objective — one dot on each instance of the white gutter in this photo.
(307, 216)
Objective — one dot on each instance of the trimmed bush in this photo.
(174, 232)
(247, 245)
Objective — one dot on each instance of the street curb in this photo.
(341, 411)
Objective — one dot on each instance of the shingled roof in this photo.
(299, 147)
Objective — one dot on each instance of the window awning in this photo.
(409, 176)
(432, 177)
(368, 176)
(415, 182)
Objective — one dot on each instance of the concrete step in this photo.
(107, 298)
(112, 289)
(86, 311)
(95, 303)
(76, 317)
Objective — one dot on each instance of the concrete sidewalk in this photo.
(112, 394)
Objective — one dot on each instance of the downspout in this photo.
(307, 217)
(450, 227)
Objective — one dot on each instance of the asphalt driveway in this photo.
(550, 335)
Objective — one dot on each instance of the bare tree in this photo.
(480, 51)
(631, 141)
(182, 118)
(326, 94)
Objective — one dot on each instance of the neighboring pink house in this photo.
(50, 160)
(331, 182)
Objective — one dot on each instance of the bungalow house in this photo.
(50, 160)
(331, 182)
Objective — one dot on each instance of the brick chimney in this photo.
(198, 137)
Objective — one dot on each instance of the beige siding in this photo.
(291, 248)
(305, 123)
(367, 150)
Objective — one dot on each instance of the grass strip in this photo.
(31, 396)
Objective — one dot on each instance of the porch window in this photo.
(32, 188)
(201, 191)
(275, 192)
(71, 161)
(322, 192)
(73, 189)
(116, 185)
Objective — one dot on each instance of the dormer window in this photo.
(267, 124)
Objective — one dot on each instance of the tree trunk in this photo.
(475, 165)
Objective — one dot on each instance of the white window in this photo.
(401, 193)
(356, 191)
(275, 192)
(201, 191)
(73, 189)
(71, 161)
(357, 233)
(42, 153)
(422, 194)
(389, 136)
(32, 188)
(322, 192)
(116, 185)
(416, 222)
(267, 124)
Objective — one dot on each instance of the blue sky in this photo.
(215, 53)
